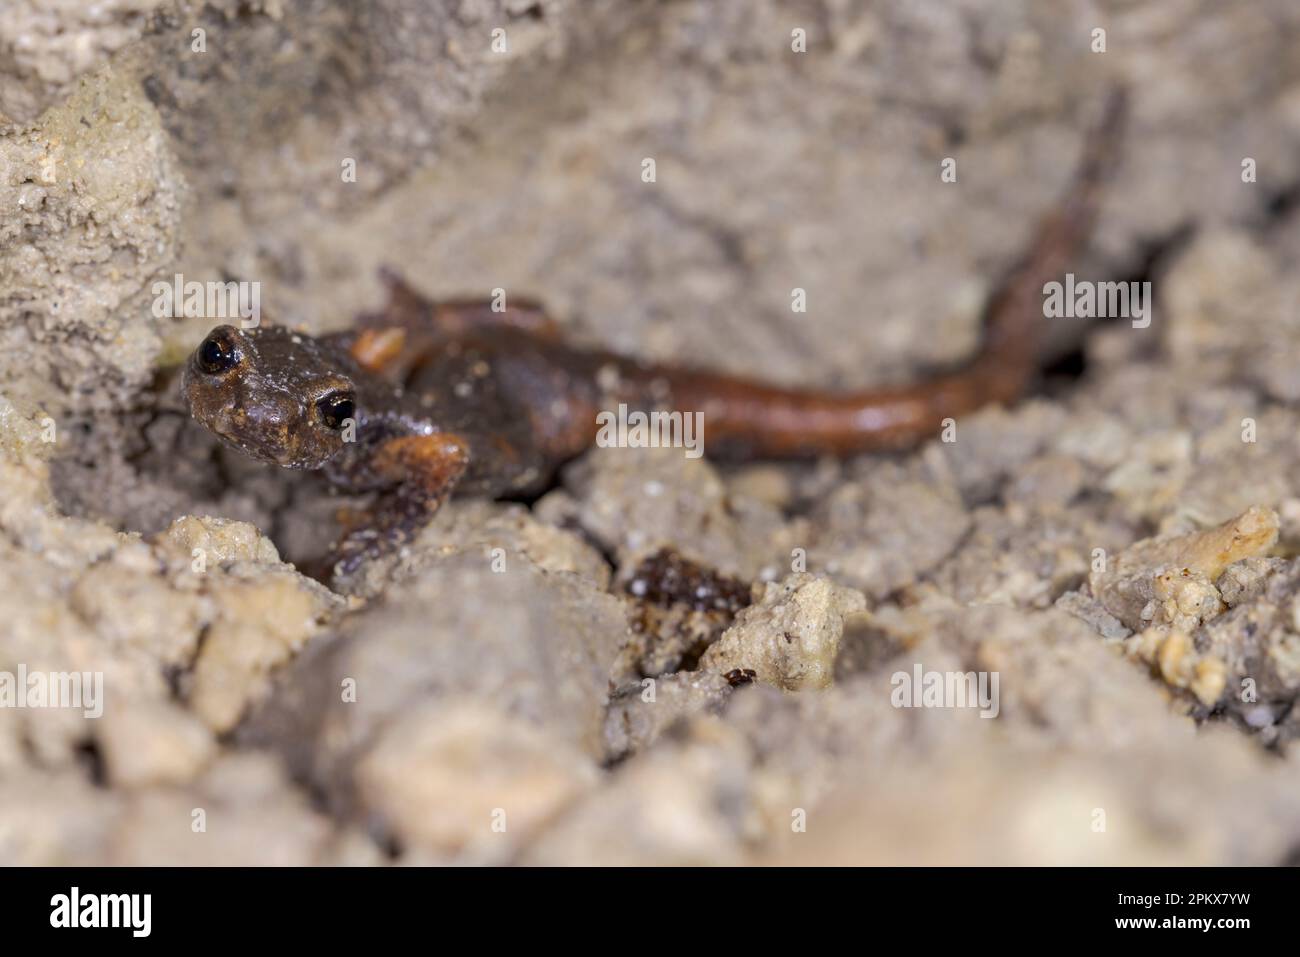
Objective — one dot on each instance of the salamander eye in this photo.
(336, 408)
(217, 353)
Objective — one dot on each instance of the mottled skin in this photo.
(424, 397)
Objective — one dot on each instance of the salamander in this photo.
(425, 398)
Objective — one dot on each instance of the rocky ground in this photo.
(661, 660)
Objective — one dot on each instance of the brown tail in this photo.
(749, 418)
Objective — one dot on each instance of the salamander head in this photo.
(276, 395)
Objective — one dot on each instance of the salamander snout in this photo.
(263, 424)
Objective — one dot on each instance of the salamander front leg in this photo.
(423, 470)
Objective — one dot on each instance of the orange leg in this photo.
(391, 341)
(423, 470)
